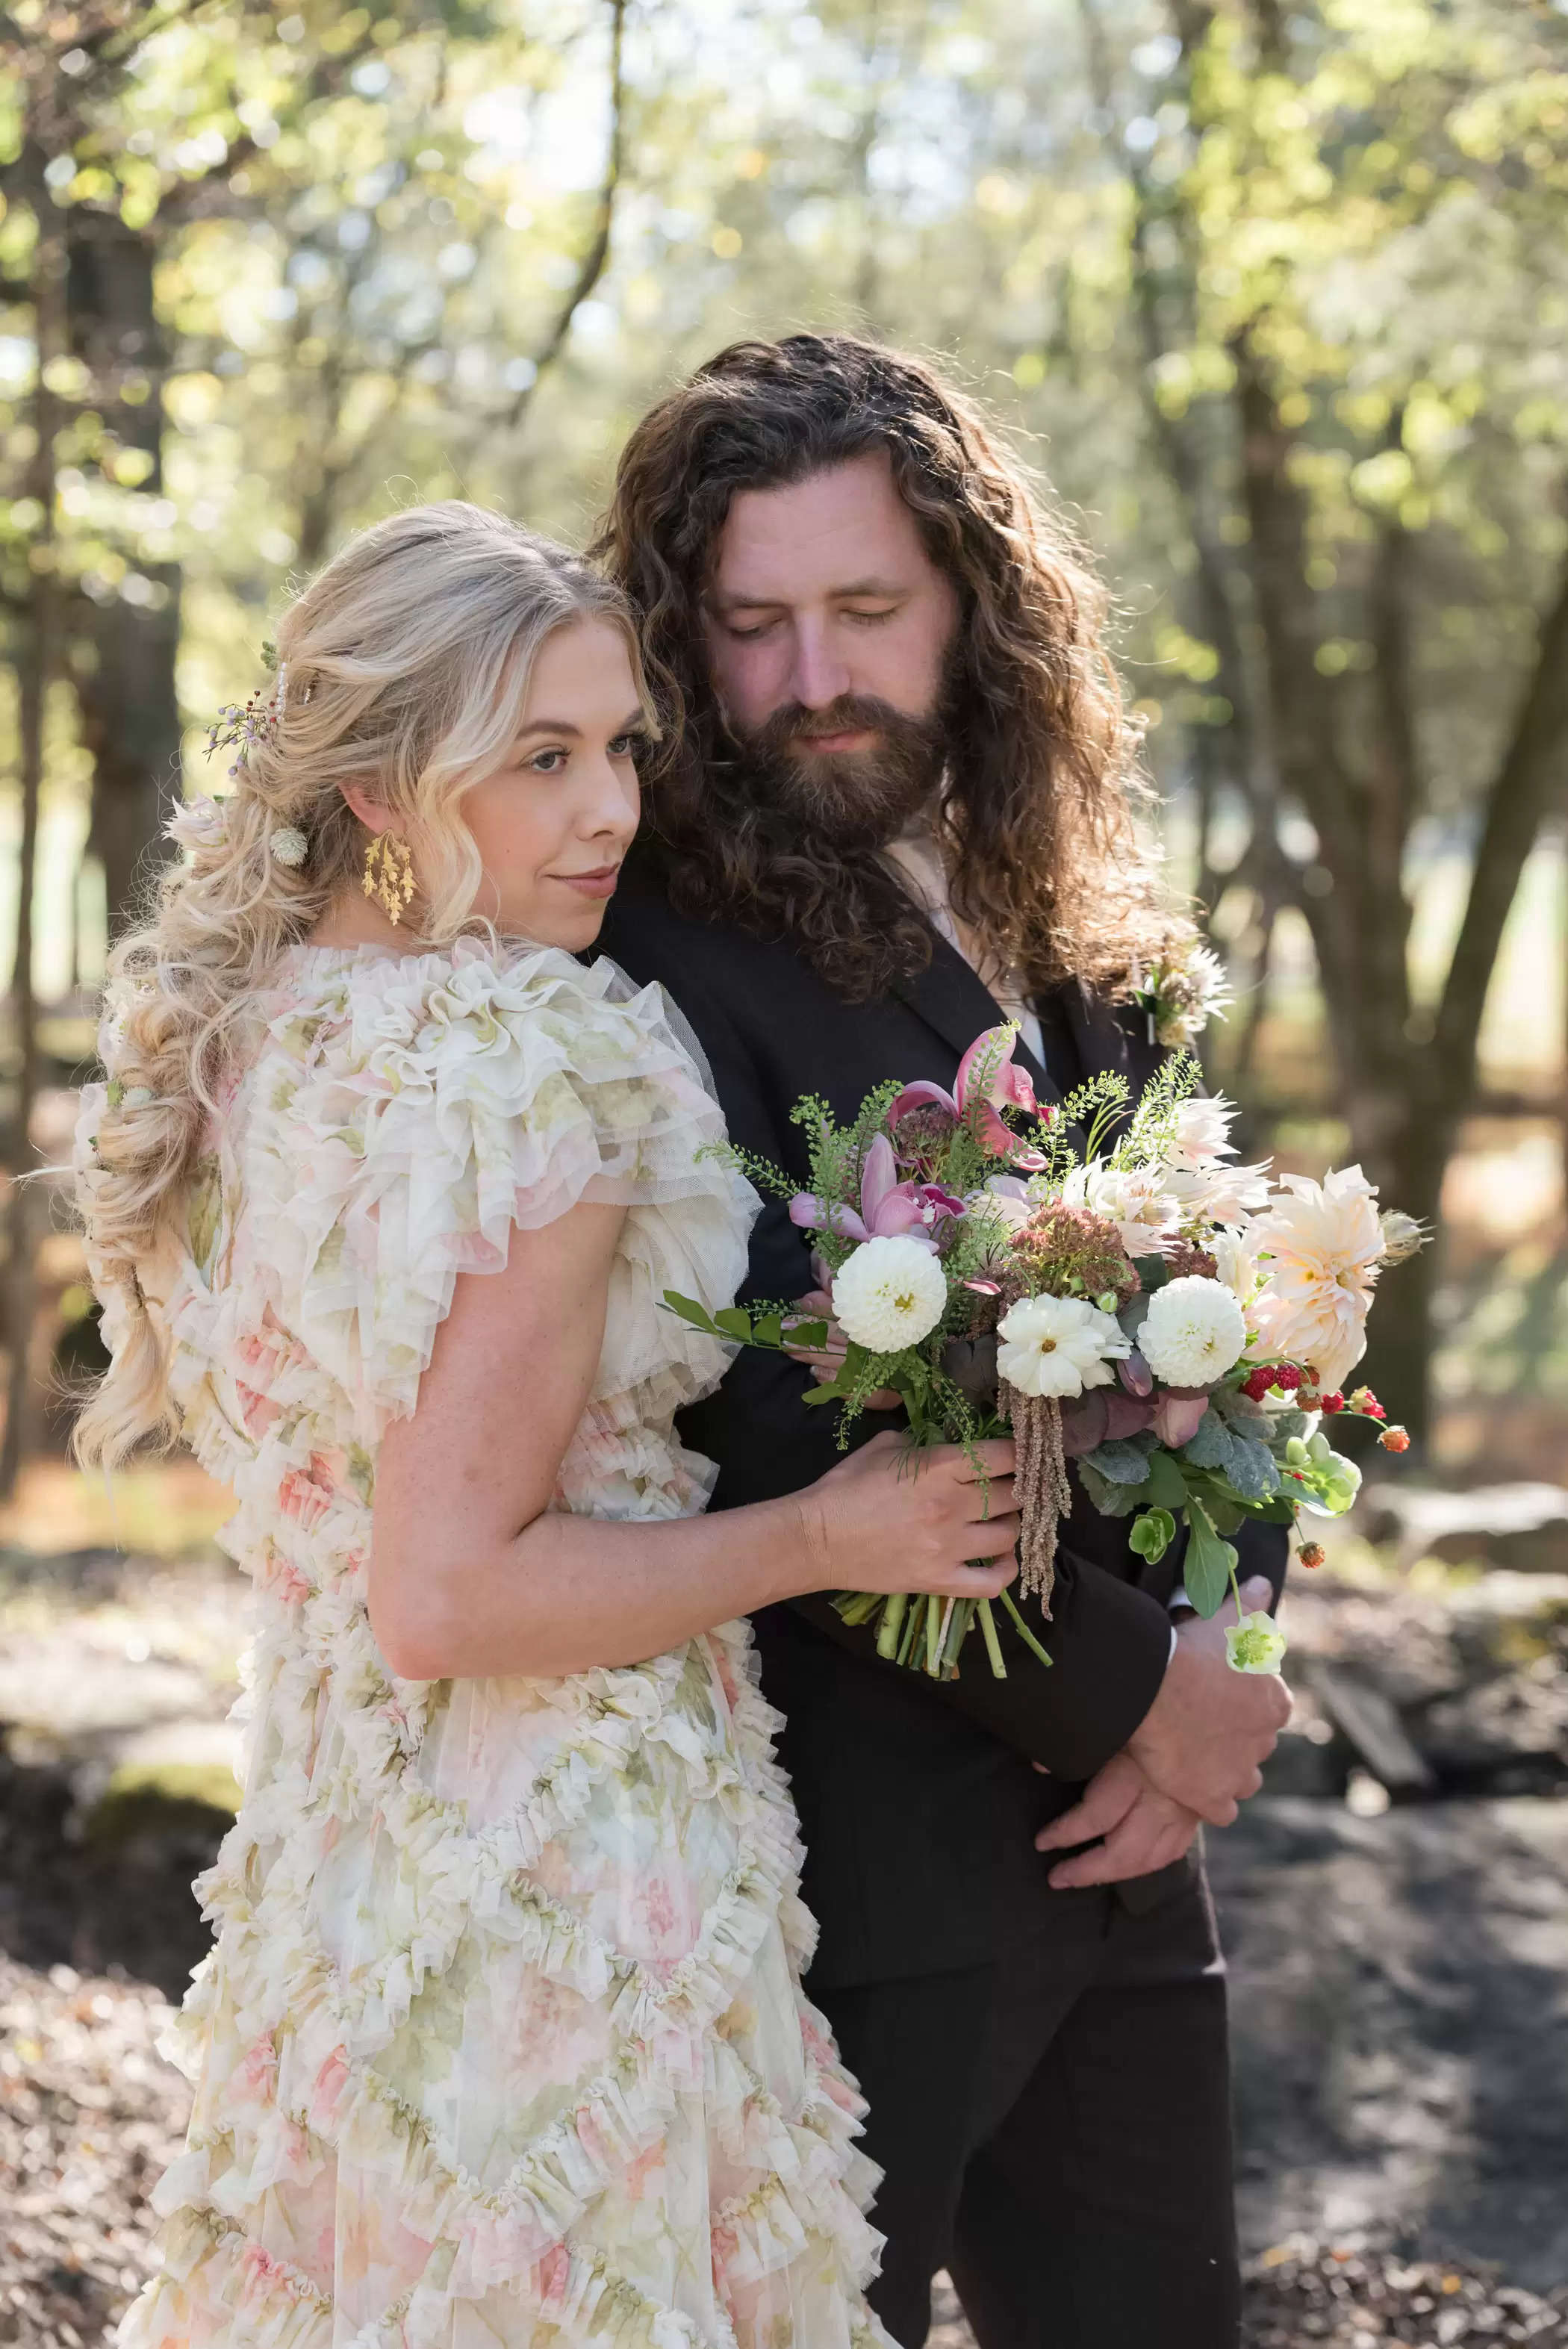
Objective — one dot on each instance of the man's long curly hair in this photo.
(1037, 814)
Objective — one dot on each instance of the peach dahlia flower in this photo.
(1324, 1243)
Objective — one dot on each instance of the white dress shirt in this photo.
(917, 862)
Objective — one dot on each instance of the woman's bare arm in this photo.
(472, 1573)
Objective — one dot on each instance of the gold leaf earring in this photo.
(389, 875)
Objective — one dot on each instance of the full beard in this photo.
(848, 800)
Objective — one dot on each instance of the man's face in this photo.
(828, 629)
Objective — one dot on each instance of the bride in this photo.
(502, 2039)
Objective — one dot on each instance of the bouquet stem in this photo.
(993, 1645)
(892, 1624)
(960, 1615)
(1023, 1630)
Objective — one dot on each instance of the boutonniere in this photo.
(1180, 995)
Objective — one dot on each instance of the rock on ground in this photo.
(1401, 2010)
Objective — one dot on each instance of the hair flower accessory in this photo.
(239, 726)
(199, 823)
(288, 844)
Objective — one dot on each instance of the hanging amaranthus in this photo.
(1039, 1484)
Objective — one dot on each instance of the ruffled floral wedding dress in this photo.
(502, 2040)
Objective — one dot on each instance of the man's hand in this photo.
(1205, 1737)
(1143, 1829)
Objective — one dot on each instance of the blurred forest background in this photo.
(1277, 297)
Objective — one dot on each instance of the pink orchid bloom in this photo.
(889, 1209)
(987, 1077)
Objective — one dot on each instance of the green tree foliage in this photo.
(1279, 296)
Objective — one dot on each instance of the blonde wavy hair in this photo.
(403, 668)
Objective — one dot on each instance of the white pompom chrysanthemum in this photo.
(1193, 1332)
(289, 845)
(1058, 1345)
(891, 1293)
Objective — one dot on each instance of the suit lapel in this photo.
(958, 1006)
(1101, 1041)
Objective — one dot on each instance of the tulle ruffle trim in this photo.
(414, 1113)
(270, 1984)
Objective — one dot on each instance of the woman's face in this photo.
(553, 826)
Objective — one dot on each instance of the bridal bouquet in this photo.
(1107, 1283)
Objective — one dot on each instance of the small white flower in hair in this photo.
(280, 690)
(198, 822)
(289, 845)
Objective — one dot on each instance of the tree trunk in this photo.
(1399, 1359)
(130, 711)
(34, 672)
(21, 1285)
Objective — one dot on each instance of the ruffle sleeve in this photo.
(408, 1114)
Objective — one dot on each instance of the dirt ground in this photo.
(1398, 1956)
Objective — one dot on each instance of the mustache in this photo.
(792, 724)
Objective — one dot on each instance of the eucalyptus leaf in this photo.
(1111, 1500)
(1210, 1447)
(1243, 1461)
(1124, 1461)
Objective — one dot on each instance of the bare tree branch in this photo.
(591, 267)
(1233, 750)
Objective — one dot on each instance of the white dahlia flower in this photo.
(891, 1293)
(1058, 1345)
(1193, 1332)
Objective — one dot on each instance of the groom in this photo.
(896, 808)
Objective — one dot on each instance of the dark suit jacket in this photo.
(917, 1799)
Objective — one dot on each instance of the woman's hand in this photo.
(891, 1517)
(825, 1362)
